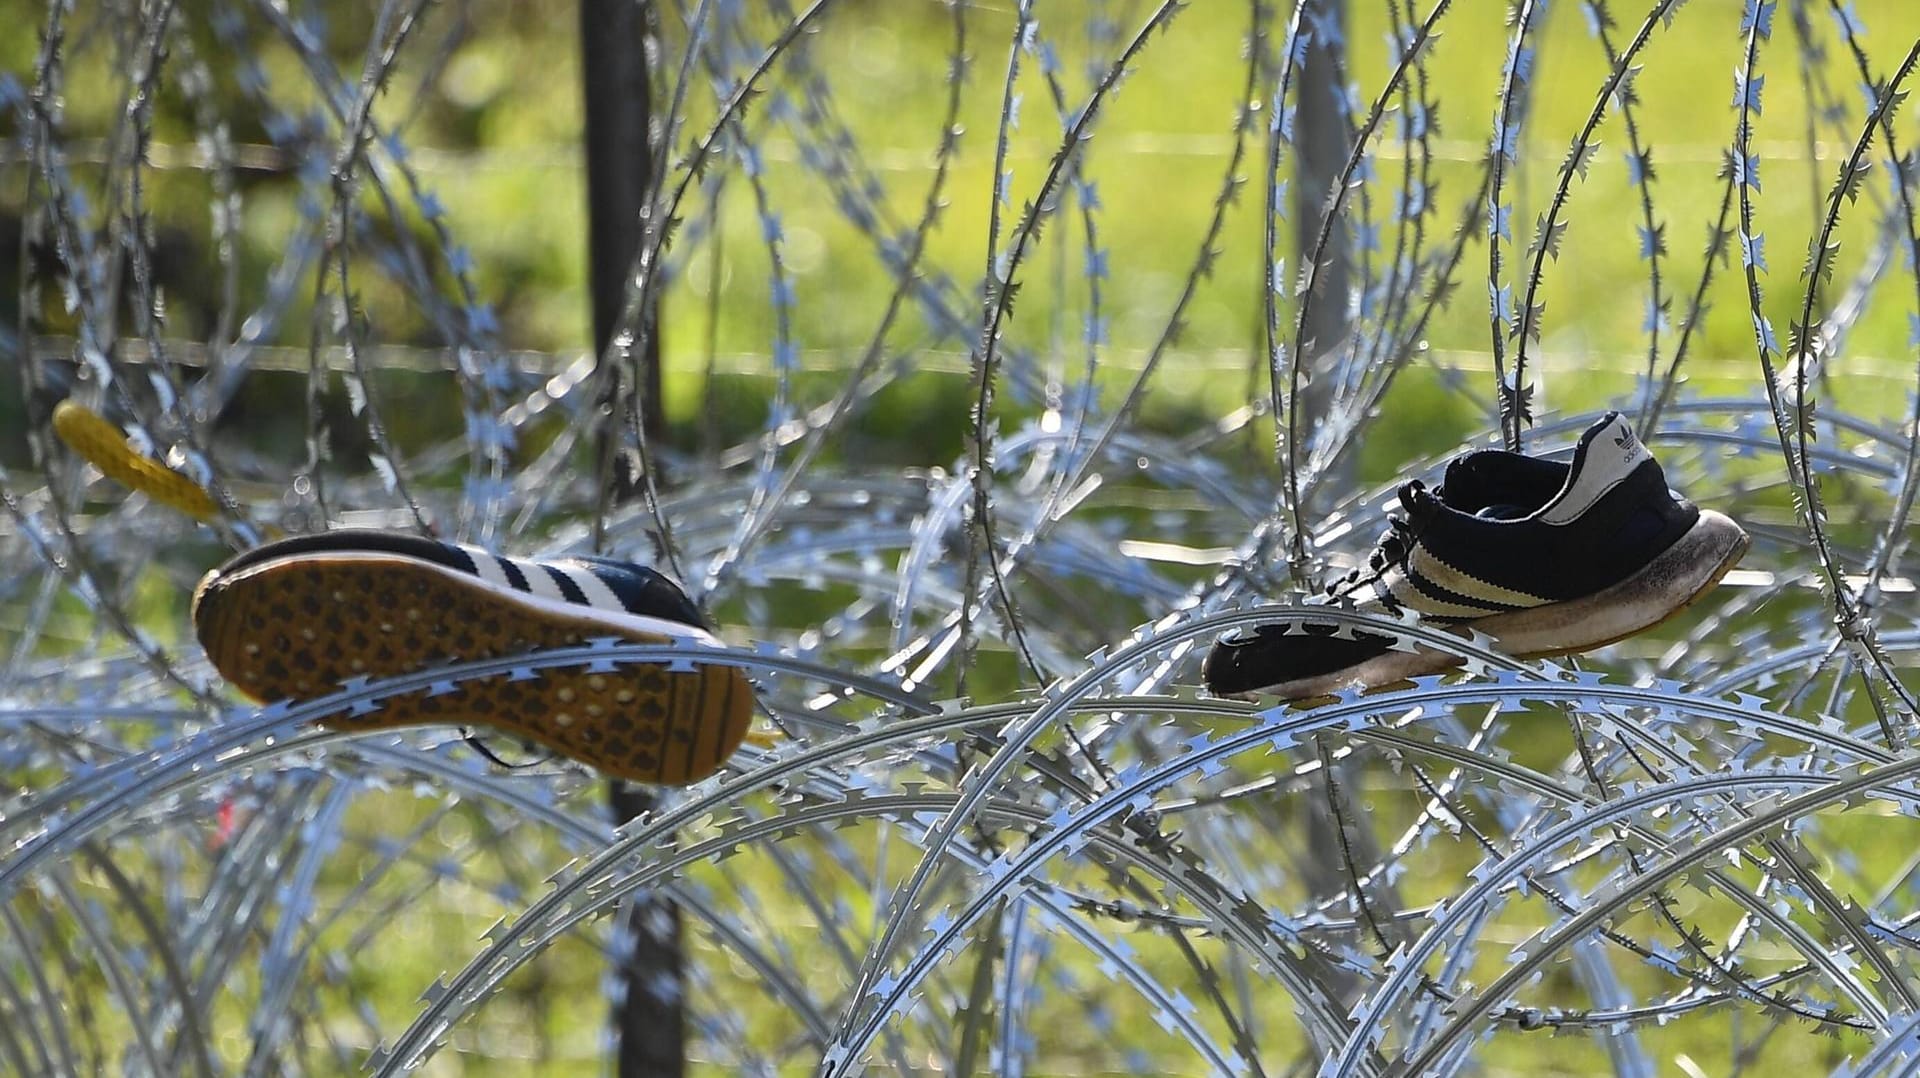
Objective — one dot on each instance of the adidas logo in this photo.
(1629, 445)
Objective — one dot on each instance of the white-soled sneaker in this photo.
(1548, 558)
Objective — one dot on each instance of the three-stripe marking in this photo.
(1454, 594)
(563, 583)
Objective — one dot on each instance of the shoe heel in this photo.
(217, 625)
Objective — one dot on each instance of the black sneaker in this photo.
(293, 619)
(1546, 558)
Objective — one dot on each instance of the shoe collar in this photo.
(1559, 493)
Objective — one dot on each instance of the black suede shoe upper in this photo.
(1503, 532)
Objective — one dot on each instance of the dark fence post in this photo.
(649, 1018)
(619, 112)
(1325, 139)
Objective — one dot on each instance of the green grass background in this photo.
(496, 137)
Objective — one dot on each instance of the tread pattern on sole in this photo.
(297, 628)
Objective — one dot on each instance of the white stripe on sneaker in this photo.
(1472, 587)
(1407, 594)
(487, 566)
(594, 588)
(538, 580)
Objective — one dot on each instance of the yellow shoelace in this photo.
(107, 448)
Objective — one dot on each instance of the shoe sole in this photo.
(1673, 581)
(296, 627)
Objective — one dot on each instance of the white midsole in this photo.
(620, 621)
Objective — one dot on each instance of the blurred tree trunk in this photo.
(619, 113)
(649, 1018)
(1325, 140)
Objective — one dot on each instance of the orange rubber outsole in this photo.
(298, 627)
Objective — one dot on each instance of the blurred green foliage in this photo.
(487, 102)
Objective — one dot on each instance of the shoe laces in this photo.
(1418, 505)
(479, 745)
